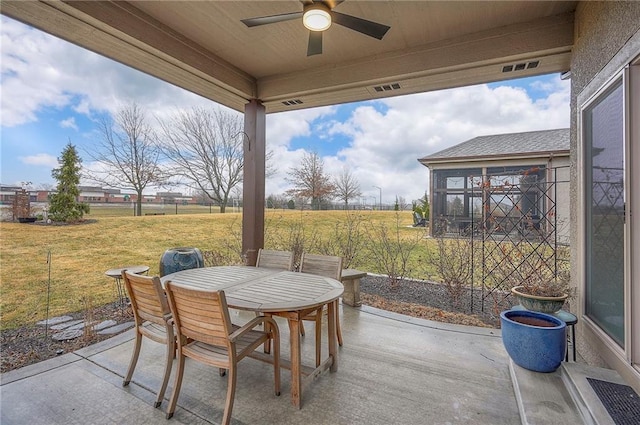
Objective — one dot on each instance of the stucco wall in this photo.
(602, 32)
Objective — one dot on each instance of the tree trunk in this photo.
(139, 204)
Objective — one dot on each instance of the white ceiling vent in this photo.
(520, 66)
(387, 87)
(292, 102)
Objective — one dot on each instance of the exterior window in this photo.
(603, 123)
(453, 190)
(455, 205)
(512, 193)
(475, 205)
(455, 182)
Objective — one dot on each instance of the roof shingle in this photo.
(506, 144)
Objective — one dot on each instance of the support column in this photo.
(253, 180)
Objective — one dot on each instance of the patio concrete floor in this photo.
(393, 369)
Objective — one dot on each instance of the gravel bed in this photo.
(28, 344)
(435, 295)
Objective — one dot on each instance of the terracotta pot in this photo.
(537, 303)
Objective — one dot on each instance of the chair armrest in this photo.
(250, 325)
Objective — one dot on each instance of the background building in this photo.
(503, 184)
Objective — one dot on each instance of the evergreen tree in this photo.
(422, 207)
(64, 205)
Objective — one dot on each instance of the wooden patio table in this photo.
(289, 294)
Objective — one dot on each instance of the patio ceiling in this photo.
(205, 48)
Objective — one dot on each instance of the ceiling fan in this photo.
(317, 16)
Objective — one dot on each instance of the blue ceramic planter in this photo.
(534, 341)
(177, 259)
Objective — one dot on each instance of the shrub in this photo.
(347, 239)
(453, 261)
(387, 248)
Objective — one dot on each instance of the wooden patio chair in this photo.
(328, 266)
(152, 320)
(205, 334)
(271, 259)
(323, 265)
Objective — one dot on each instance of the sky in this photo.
(53, 92)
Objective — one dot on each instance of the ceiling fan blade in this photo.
(370, 28)
(315, 43)
(264, 20)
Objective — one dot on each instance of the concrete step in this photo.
(543, 398)
(562, 397)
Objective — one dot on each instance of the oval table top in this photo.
(261, 289)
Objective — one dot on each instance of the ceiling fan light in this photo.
(316, 18)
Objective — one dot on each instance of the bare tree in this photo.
(206, 149)
(310, 181)
(276, 201)
(46, 186)
(128, 154)
(402, 203)
(347, 186)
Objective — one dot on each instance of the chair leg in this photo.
(171, 351)
(301, 329)
(318, 337)
(231, 392)
(176, 385)
(134, 359)
(338, 326)
(275, 334)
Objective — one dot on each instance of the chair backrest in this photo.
(275, 259)
(417, 218)
(323, 265)
(201, 315)
(148, 301)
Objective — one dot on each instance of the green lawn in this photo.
(80, 254)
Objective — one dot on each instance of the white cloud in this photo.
(282, 127)
(69, 123)
(40, 159)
